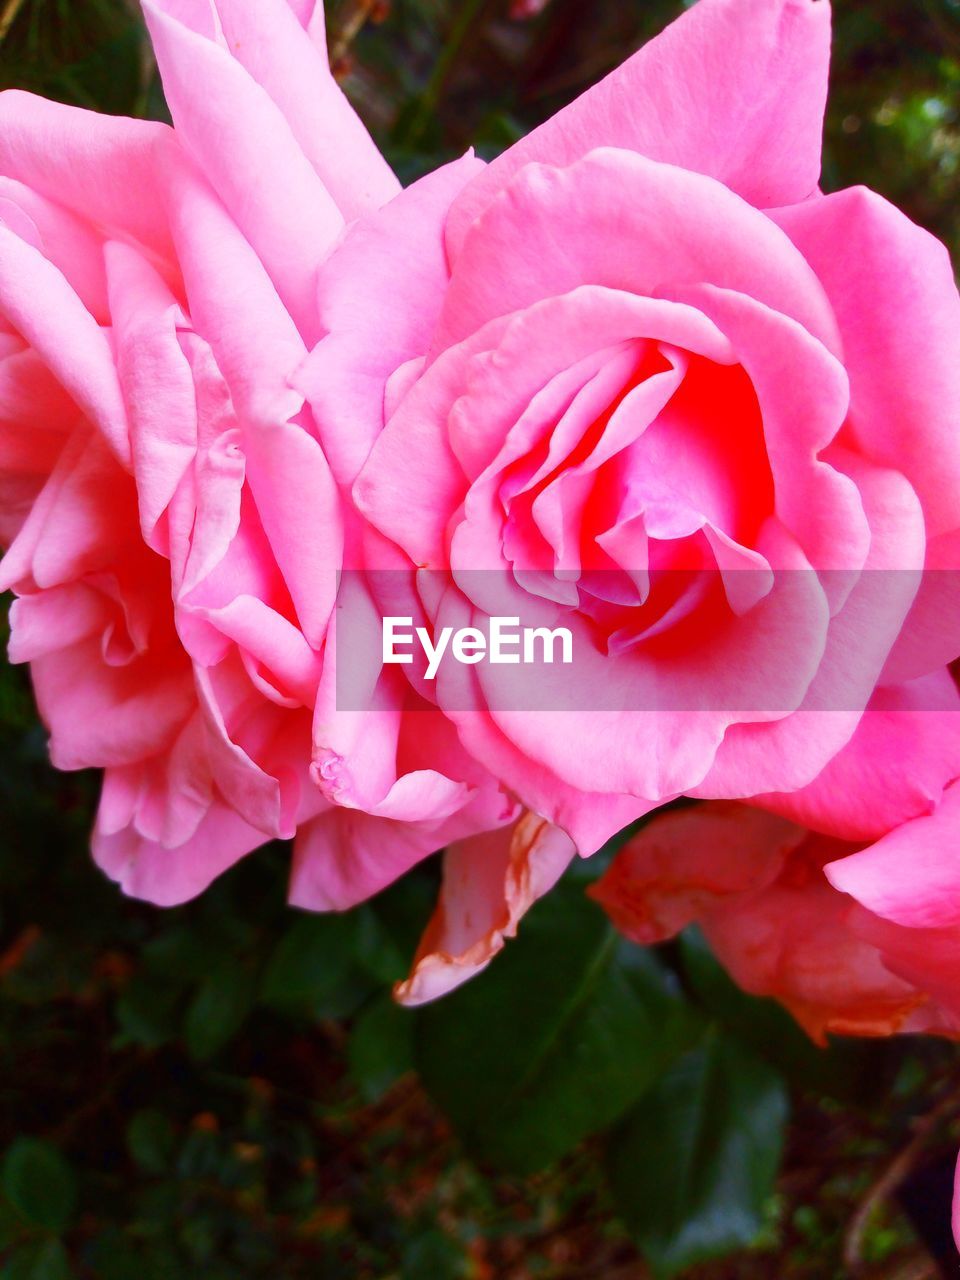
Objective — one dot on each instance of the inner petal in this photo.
(703, 460)
(545, 499)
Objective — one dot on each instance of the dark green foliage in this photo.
(555, 1041)
(381, 1047)
(39, 1184)
(694, 1164)
(93, 54)
(225, 1090)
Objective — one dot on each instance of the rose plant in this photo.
(637, 377)
(173, 527)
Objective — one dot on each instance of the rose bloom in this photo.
(172, 522)
(640, 379)
(631, 370)
(850, 916)
(852, 919)
(760, 888)
(637, 378)
(854, 939)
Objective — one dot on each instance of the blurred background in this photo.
(225, 1090)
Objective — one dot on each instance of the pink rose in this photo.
(771, 899)
(639, 379)
(173, 523)
(851, 920)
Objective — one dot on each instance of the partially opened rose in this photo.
(854, 925)
(755, 883)
(851, 920)
(173, 526)
(639, 379)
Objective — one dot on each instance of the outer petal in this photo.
(232, 300)
(300, 510)
(794, 941)
(929, 959)
(931, 634)
(82, 516)
(896, 766)
(35, 416)
(101, 167)
(35, 297)
(590, 818)
(398, 254)
(167, 877)
(268, 40)
(164, 799)
(489, 883)
(791, 752)
(755, 884)
(624, 221)
(685, 862)
(71, 244)
(309, 13)
(239, 138)
(734, 89)
(892, 288)
(102, 715)
(242, 728)
(346, 855)
(912, 875)
(52, 620)
(156, 381)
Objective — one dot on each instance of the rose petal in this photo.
(895, 767)
(240, 140)
(489, 883)
(102, 167)
(912, 875)
(754, 81)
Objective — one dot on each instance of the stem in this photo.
(430, 98)
(8, 17)
(356, 18)
(897, 1172)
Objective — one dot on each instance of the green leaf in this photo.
(694, 1164)
(112, 1255)
(433, 1256)
(39, 1183)
(844, 1069)
(312, 960)
(377, 953)
(554, 1041)
(178, 954)
(380, 1049)
(217, 1011)
(43, 1260)
(151, 1141)
(148, 1011)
